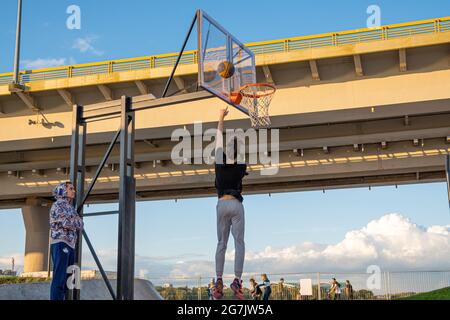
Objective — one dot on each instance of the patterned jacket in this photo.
(64, 220)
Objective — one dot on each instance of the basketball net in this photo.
(256, 98)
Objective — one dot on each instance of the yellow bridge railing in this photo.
(266, 47)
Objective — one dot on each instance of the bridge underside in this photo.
(360, 115)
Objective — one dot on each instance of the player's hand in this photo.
(223, 113)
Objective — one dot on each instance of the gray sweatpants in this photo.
(230, 216)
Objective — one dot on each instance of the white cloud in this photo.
(392, 242)
(86, 45)
(41, 63)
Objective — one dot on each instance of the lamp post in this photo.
(17, 50)
(15, 86)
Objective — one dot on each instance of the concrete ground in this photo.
(90, 290)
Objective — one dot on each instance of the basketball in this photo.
(226, 69)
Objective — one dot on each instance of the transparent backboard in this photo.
(216, 46)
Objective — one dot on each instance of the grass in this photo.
(441, 294)
(12, 280)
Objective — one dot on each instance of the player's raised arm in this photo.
(219, 135)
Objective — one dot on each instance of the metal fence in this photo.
(377, 286)
(431, 26)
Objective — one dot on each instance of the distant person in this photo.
(64, 225)
(255, 290)
(338, 290)
(281, 288)
(230, 211)
(266, 285)
(348, 291)
(210, 289)
(332, 291)
(335, 290)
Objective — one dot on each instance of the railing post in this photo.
(152, 62)
(437, 25)
(384, 33)
(389, 285)
(199, 290)
(319, 292)
(286, 46)
(385, 286)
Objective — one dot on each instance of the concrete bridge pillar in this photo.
(36, 219)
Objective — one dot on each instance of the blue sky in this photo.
(120, 29)
(123, 29)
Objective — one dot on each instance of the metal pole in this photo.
(127, 198)
(319, 293)
(166, 88)
(385, 285)
(100, 268)
(49, 252)
(80, 195)
(447, 174)
(74, 161)
(77, 175)
(17, 49)
(389, 285)
(199, 291)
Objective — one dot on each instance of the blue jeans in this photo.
(267, 292)
(63, 256)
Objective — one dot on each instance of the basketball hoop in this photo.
(256, 97)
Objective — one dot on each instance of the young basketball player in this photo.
(230, 211)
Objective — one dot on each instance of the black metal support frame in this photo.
(125, 108)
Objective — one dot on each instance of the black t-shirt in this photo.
(229, 179)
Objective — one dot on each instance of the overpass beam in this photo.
(403, 61)
(181, 84)
(36, 219)
(268, 74)
(106, 92)
(358, 65)
(29, 100)
(314, 70)
(67, 97)
(142, 87)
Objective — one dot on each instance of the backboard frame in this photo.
(201, 16)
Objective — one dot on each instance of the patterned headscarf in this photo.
(60, 190)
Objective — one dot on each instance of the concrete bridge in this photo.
(355, 108)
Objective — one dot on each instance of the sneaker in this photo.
(236, 286)
(218, 289)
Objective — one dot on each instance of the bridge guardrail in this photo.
(266, 47)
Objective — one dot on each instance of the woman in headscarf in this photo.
(64, 226)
